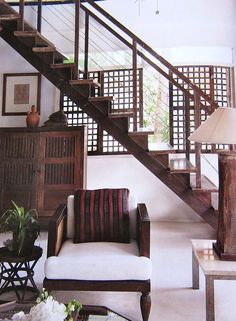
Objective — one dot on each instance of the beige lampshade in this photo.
(219, 128)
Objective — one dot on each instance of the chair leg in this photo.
(145, 304)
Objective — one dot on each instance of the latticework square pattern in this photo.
(215, 82)
(119, 85)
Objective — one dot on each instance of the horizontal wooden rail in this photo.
(144, 57)
(145, 46)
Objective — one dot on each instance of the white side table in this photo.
(213, 269)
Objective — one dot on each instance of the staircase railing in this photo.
(195, 93)
(139, 49)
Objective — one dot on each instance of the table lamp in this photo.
(220, 128)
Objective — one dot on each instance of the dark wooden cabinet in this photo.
(40, 167)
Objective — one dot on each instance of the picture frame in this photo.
(20, 92)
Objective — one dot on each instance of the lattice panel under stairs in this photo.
(76, 117)
(215, 82)
(115, 83)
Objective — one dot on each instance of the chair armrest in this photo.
(57, 231)
(143, 232)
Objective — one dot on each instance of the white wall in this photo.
(179, 23)
(126, 171)
(184, 31)
(12, 62)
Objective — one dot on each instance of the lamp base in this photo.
(223, 256)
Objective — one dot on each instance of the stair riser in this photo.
(122, 123)
(163, 158)
(205, 196)
(104, 107)
(28, 41)
(141, 140)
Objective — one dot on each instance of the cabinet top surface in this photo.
(41, 129)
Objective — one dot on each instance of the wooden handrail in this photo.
(142, 55)
(174, 70)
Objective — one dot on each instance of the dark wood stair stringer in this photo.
(175, 182)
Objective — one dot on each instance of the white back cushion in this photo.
(71, 220)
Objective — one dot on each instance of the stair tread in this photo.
(181, 165)
(120, 114)
(100, 98)
(61, 66)
(141, 131)
(9, 17)
(44, 49)
(85, 82)
(206, 184)
(31, 33)
(160, 148)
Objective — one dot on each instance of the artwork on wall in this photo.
(20, 92)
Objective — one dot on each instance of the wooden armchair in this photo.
(83, 266)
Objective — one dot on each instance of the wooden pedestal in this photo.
(225, 246)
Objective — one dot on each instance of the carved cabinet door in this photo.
(40, 168)
(61, 167)
(18, 169)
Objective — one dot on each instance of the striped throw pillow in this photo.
(102, 215)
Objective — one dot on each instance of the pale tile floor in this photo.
(173, 299)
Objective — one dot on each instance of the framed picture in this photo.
(20, 92)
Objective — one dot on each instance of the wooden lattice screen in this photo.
(215, 82)
(116, 83)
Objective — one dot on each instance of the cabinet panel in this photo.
(18, 160)
(62, 167)
(40, 167)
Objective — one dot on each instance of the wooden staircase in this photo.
(177, 174)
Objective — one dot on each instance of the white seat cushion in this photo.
(101, 261)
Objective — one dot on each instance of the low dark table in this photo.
(17, 272)
(87, 313)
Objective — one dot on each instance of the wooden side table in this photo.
(17, 272)
(213, 269)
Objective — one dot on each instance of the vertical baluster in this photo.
(76, 47)
(187, 125)
(141, 97)
(197, 122)
(86, 45)
(134, 85)
(171, 111)
(39, 16)
(212, 95)
(21, 13)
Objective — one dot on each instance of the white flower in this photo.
(50, 310)
(20, 316)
